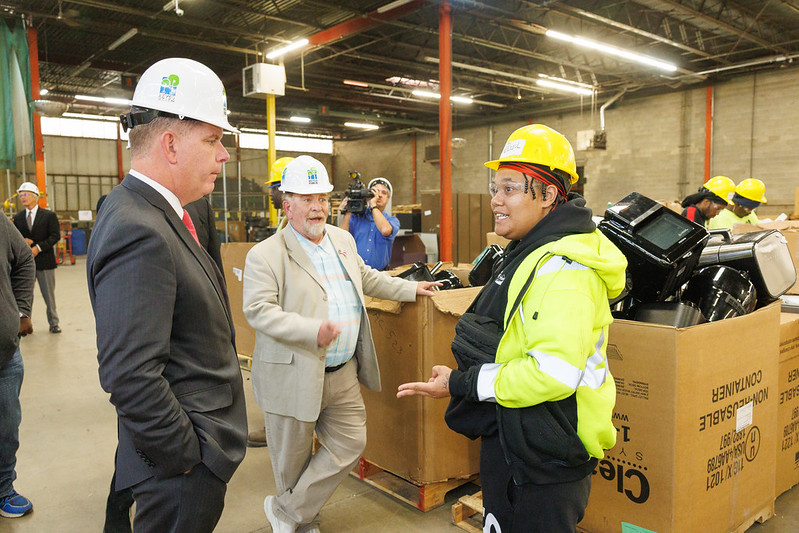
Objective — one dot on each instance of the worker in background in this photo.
(40, 229)
(17, 275)
(709, 200)
(375, 230)
(303, 294)
(748, 196)
(546, 312)
(165, 337)
(276, 217)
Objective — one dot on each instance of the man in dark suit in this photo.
(119, 502)
(40, 229)
(165, 335)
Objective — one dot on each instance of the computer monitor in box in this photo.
(662, 247)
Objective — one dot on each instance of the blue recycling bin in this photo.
(78, 242)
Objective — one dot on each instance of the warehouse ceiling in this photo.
(501, 50)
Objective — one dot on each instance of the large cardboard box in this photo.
(237, 229)
(788, 405)
(408, 437)
(233, 256)
(493, 238)
(696, 415)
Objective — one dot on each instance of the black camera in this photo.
(357, 195)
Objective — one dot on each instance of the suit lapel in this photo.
(298, 255)
(182, 232)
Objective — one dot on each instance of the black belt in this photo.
(329, 369)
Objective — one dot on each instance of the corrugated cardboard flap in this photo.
(455, 302)
(387, 306)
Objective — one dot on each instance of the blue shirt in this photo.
(343, 304)
(373, 247)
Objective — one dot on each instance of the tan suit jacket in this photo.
(285, 303)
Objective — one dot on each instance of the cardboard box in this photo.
(431, 212)
(493, 238)
(696, 415)
(233, 256)
(408, 437)
(237, 229)
(788, 404)
(789, 229)
(473, 219)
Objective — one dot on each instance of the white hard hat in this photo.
(181, 88)
(28, 187)
(305, 175)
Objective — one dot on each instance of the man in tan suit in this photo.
(304, 296)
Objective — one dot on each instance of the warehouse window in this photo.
(97, 127)
(91, 127)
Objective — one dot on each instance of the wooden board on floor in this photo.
(423, 497)
(467, 513)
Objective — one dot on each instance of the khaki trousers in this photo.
(306, 481)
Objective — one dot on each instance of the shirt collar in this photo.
(307, 244)
(168, 195)
(33, 211)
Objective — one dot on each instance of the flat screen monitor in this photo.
(665, 230)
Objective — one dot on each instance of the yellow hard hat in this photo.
(540, 145)
(752, 189)
(277, 170)
(721, 186)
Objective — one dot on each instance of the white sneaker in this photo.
(278, 525)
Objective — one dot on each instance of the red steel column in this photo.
(413, 171)
(38, 141)
(445, 126)
(708, 130)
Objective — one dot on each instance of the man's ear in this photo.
(168, 145)
(549, 195)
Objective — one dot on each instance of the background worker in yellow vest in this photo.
(748, 196)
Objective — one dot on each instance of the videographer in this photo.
(374, 229)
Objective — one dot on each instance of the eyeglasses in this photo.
(507, 189)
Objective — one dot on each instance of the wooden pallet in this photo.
(467, 513)
(761, 516)
(422, 496)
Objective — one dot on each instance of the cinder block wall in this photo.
(655, 145)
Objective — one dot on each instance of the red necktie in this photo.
(190, 225)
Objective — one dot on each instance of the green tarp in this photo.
(15, 93)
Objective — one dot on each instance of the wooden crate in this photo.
(467, 513)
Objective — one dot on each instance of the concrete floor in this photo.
(68, 437)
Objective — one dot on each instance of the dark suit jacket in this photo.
(45, 232)
(203, 217)
(165, 341)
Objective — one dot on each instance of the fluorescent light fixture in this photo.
(356, 83)
(285, 49)
(103, 100)
(295, 118)
(564, 87)
(568, 82)
(361, 125)
(612, 50)
(287, 133)
(130, 33)
(425, 94)
(43, 92)
(90, 117)
(392, 5)
(428, 94)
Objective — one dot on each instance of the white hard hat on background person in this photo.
(28, 187)
(179, 88)
(305, 175)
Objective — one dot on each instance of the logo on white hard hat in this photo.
(313, 176)
(169, 88)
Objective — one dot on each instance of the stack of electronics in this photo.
(421, 272)
(680, 275)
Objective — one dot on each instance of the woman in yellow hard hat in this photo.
(748, 196)
(531, 351)
(709, 201)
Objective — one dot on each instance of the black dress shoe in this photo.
(55, 329)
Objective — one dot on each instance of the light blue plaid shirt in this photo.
(343, 304)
